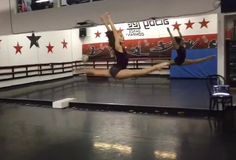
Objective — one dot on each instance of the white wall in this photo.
(76, 45)
(5, 18)
(122, 11)
(39, 55)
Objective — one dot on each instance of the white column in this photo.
(221, 45)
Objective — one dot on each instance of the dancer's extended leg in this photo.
(197, 61)
(93, 72)
(127, 73)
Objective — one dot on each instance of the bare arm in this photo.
(118, 46)
(180, 35)
(173, 39)
(104, 20)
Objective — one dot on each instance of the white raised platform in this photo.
(63, 103)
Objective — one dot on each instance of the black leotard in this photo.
(181, 55)
(121, 62)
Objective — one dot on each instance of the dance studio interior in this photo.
(54, 107)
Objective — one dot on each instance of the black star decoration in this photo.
(34, 40)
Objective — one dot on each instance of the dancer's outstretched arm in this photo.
(105, 22)
(117, 35)
(180, 35)
(173, 39)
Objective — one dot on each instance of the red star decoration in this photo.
(120, 30)
(97, 34)
(204, 23)
(176, 25)
(189, 24)
(50, 47)
(64, 43)
(18, 48)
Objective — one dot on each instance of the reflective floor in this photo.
(145, 91)
(35, 133)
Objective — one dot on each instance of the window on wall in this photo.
(31, 5)
(23, 6)
(72, 2)
(41, 4)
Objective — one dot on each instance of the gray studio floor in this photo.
(36, 133)
(145, 91)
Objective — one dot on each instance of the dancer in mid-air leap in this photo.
(119, 70)
(180, 59)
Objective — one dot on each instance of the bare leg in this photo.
(197, 61)
(127, 73)
(93, 72)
